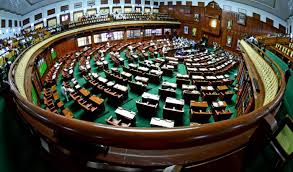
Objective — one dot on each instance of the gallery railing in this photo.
(152, 147)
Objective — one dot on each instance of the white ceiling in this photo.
(280, 8)
(22, 7)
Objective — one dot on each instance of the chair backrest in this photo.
(283, 137)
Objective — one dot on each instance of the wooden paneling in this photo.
(64, 8)
(188, 3)
(270, 21)
(201, 4)
(38, 16)
(282, 28)
(26, 21)
(253, 24)
(104, 1)
(256, 16)
(51, 11)
(68, 45)
(116, 1)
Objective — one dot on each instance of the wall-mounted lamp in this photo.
(213, 23)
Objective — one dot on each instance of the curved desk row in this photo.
(142, 147)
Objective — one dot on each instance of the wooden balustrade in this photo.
(141, 147)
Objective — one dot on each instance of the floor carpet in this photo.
(130, 103)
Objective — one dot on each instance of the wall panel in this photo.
(253, 24)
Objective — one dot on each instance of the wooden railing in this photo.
(265, 71)
(153, 147)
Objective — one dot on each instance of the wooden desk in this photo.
(84, 104)
(200, 116)
(84, 92)
(222, 115)
(173, 110)
(197, 106)
(222, 88)
(190, 95)
(146, 108)
(169, 85)
(210, 96)
(55, 96)
(113, 121)
(126, 75)
(227, 96)
(54, 88)
(220, 105)
(142, 79)
(157, 122)
(188, 87)
(97, 100)
(167, 92)
(67, 113)
(125, 115)
(138, 86)
(207, 88)
(60, 104)
(74, 96)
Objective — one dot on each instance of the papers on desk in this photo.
(174, 101)
(126, 74)
(77, 86)
(121, 87)
(142, 79)
(188, 87)
(95, 75)
(209, 88)
(162, 122)
(144, 69)
(148, 62)
(167, 66)
(219, 104)
(182, 76)
(203, 69)
(192, 69)
(197, 77)
(132, 65)
(220, 77)
(146, 95)
(135, 56)
(156, 72)
(211, 77)
(125, 113)
(169, 84)
(110, 84)
(103, 80)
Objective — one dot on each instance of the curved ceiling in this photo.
(22, 7)
(280, 8)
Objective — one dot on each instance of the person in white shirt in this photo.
(64, 92)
